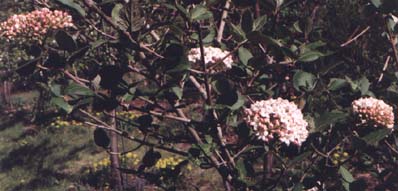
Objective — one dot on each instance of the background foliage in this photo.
(132, 57)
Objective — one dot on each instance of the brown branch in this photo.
(222, 20)
(91, 5)
(146, 143)
(349, 41)
(384, 69)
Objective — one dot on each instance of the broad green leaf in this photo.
(60, 102)
(345, 174)
(304, 80)
(116, 17)
(247, 21)
(65, 41)
(78, 90)
(296, 27)
(346, 177)
(239, 103)
(73, 5)
(337, 83)
(364, 85)
(177, 91)
(258, 37)
(182, 10)
(310, 56)
(238, 31)
(210, 37)
(244, 55)
(200, 13)
(376, 3)
(240, 166)
(329, 118)
(56, 89)
(374, 137)
(354, 85)
(207, 148)
(259, 23)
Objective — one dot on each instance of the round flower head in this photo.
(372, 111)
(277, 118)
(34, 25)
(212, 55)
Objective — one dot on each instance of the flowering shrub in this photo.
(212, 55)
(34, 25)
(271, 113)
(372, 111)
(277, 118)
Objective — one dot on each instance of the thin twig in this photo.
(356, 37)
(91, 4)
(222, 20)
(384, 68)
(126, 135)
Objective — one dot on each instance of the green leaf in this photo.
(376, 3)
(310, 56)
(296, 27)
(200, 13)
(337, 83)
(74, 6)
(244, 55)
(56, 89)
(98, 43)
(60, 102)
(304, 80)
(182, 10)
(298, 187)
(346, 177)
(116, 17)
(210, 37)
(354, 85)
(78, 90)
(177, 91)
(239, 103)
(238, 31)
(259, 23)
(78, 54)
(258, 37)
(374, 137)
(207, 148)
(240, 166)
(247, 21)
(329, 118)
(65, 41)
(364, 85)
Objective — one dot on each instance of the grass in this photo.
(44, 157)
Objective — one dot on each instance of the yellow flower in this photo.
(129, 155)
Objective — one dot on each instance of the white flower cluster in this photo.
(35, 24)
(212, 55)
(372, 111)
(277, 118)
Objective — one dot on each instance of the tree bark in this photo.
(116, 179)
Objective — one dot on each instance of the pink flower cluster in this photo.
(372, 111)
(277, 118)
(35, 24)
(212, 55)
